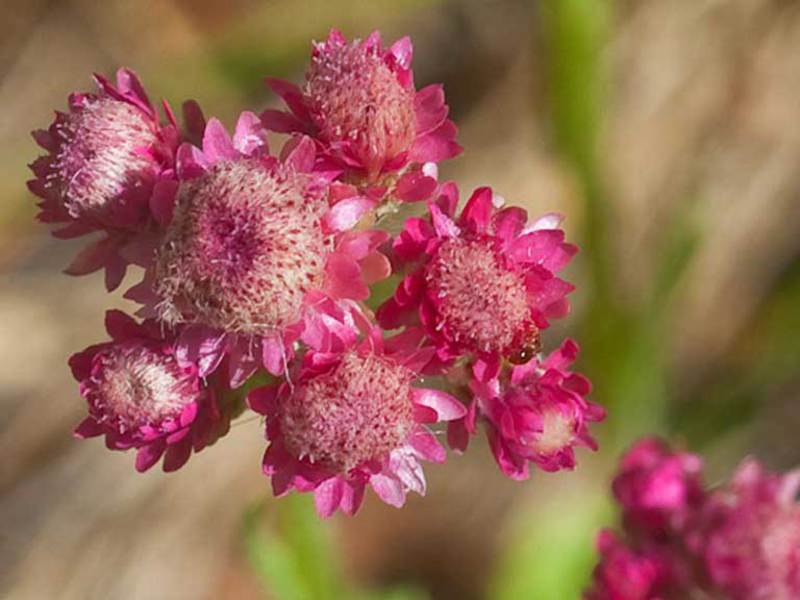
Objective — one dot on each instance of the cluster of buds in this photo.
(257, 288)
(739, 541)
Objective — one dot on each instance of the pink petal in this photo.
(446, 406)
(478, 211)
(177, 455)
(537, 246)
(129, 84)
(444, 227)
(509, 222)
(547, 221)
(405, 466)
(457, 436)
(291, 95)
(193, 120)
(121, 327)
(88, 428)
(115, 272)
(389, 489)
(273, 355)
(346, 213)
(411, 242)
(375, 267)
(282, 122)
(511, 465)
(162, 202)
(149, 455)
(190, 162)
(262, 399)
(352, 496)
(242, 363)
(448, 198)
(430, 108)
(344, 278)
(436, 146)
(201, 346)
(300, 153)
(328, 496)
(403, 52)
(563, 357)
(426, 444)
(91, 258)
(359, 244)
(414, 186)
(250, 136)
(217, 144)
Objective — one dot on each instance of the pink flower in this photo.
(659, 490)
(537, 414)
(251, 238)
(349, 416)
(108, 168)
(360, 103)
(483, 284)
(752, 544)
(141, 397)
(626, 574)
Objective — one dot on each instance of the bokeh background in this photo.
(666, 131)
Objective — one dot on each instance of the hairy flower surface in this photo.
(350, 418)
(251, 238)
(538, 413)
(360, 103)
(108, 168)
(141, 397)
(481, 285)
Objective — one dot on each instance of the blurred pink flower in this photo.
(627, 574)
(740, 541)
(359, 102)
(658, 489)
(349, 417)
(141, 397)
(752, 541)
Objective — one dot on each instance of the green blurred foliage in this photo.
(294, 557)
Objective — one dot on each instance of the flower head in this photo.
(659, 489)
(351, 417)
(537, 414)
(360, 103)
(628, 574)
(483, 284)
(752, 544)
(141, 397)
(251, 238)
(108, 167)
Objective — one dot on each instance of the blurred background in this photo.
(667, 132)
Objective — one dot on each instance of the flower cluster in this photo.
(257, 280)
(740, 541)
